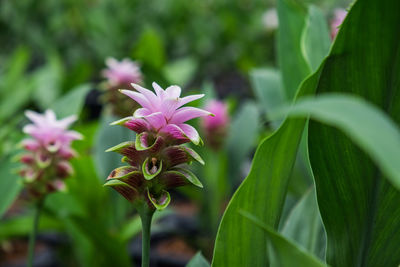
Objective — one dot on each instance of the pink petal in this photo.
(141, 112)
(173, 91)
(138, 97)
(64, 123)
(30, 129)
(188, 113)
(187, 99)
(191, 133)
(137, 125)
(159, 91)
(169, 107)
(151, 97)
(50, 116)
(156, 120)
(35, 117)
(72, 135)
(174, 131)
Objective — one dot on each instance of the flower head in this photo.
(338, 18)
(120, 73)
(47, 152)
(162, 113)
(216, 127)
(157, 157)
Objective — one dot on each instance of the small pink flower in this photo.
(162, 113)
(221, 117)
(338, 18)
(122, 72)
(47, 152)
(215, 128)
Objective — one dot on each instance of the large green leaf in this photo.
(360, 208)
(284, 252)
(356, 118)
(262, 194)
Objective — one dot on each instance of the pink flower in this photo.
(49, 132)
(162, 113)
(221, 118)
(215, 128)
(48, 151)
(338, 17)
(122, 72)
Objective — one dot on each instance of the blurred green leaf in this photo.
(108, 136)
(304, 226)
(180, 71)
(294, 68)
(268, 88)
(242, 136)
(285, 253)
(21, 226)
(71, 103)
(149, 49)
(315, 40)
(198, 261)
(47, 81)
(10, 183)
(16, 67)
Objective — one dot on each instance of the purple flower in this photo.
(47, 152)
(216, 127)
(338, 17)
(120, 73)
(162, 113)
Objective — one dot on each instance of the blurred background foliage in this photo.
(51, 56)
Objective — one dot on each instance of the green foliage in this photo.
(198, 261)
(285, 253)
(10, 185)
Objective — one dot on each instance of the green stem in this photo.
(32, 238)
(146, 215)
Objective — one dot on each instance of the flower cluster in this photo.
(338, 18)
(48, 151)
(157, 157)
(120, 74)
(215, 128)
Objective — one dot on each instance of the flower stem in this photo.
(32, 238)
(146, 215)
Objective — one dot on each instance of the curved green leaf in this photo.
(364, 124)
(285, 253)
(262, 193)
(359, 207)
(71, 103)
